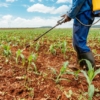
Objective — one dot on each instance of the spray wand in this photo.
(59, 22)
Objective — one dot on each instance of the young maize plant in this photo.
(64, 48)
(52, 49)
(90, 75)
(31, 59)
(20, 55)
(61, 73)
(6, 51)
(37, 45)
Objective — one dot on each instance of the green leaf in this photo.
(96, 72)
(37, 46)
(91, 74)
(18, 52)
(89, 64)
(52, 49)
(22, 56)
(86, 76)
(91, 91)
(63, 68)
(63, 46)
(76, 73)
(32, 57)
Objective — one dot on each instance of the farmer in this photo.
(82, 10)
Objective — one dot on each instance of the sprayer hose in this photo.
(87, 25)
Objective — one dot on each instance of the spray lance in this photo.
(59, 22)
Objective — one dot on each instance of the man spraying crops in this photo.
(82, 10)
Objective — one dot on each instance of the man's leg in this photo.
(80, 34)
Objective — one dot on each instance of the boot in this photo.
(87, 56)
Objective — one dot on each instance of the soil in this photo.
(17, 83)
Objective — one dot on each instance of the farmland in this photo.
(42, 72)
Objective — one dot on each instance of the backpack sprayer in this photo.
(95, 7)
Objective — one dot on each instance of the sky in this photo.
(33, 13)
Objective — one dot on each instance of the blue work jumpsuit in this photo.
(81, 9)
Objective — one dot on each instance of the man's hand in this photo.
(66, 18)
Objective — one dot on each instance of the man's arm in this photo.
(76, 6)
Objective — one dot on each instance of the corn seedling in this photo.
(37, 46)
(52, 49)
(62, 72)
(90, 75)
(31, 58)
(64, 48)
(19, 55)
(7, 50)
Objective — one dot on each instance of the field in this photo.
(43, 71)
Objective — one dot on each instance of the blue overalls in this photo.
(82, 9)
(80, 32)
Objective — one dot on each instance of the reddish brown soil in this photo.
(42, 87)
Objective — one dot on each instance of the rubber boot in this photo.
(87, 56)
